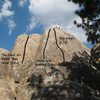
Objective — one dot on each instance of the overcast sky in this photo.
(34, 16)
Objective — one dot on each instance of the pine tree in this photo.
(90, 14)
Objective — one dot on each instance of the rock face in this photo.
(28, 45)
(6, 81)
(6, 92)
(2, 66)
(44, 69)
(45, 45)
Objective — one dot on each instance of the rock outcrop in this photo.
(7, 90)
(48, 68)
(44, 71)
(26, 46)
(2, 65)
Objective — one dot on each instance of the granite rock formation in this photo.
(44, 68)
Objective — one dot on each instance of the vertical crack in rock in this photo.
(25, 49)
(46, 43)
(58, 45)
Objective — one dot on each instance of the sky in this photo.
(34, 16)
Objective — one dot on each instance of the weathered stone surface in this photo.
(2, 66)
(6, 92)
(48, 69)
(7, 86)
(57, 42)
(28, 53)
(44, 73)
(32, 44)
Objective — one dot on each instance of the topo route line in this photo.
(25, 49)
(46, 44)
(59, 46)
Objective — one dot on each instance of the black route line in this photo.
(25, 49)
(59, 46)
(46, 44)
(56, 44)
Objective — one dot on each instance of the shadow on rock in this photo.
(83, 72)
(82, 82)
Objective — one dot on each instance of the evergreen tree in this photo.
(90, 14)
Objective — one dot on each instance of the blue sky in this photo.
(34, 16)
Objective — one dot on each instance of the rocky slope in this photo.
(45, 63)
